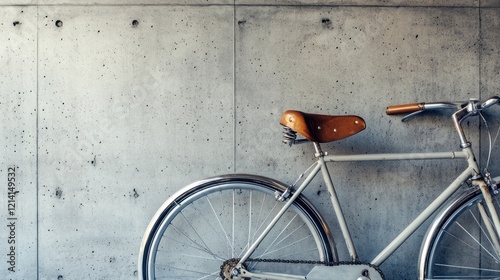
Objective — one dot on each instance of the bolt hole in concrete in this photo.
(135, 23)
(59, 23)
(326, 22)
(16, 23)
(59, 193)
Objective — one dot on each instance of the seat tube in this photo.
(338, 210)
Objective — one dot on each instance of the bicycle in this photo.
(242, 226)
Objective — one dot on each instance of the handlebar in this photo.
(462, 110)
(405, 108)
(473, 107)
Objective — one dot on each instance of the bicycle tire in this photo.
(460, 247)
(214, 220)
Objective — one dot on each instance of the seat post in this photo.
(319, 151)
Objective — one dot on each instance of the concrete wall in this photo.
(108, 107)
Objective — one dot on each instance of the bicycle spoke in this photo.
(219, 221)
(282, 231)
(469, 268)
(289, 235)
(189, 276)
(486, 235)
(214, 256)
(263, 223)
(198, 246)
(274, 243)
(208, 222)
(477, 242)
(284, 247)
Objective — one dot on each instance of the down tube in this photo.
(405, 234)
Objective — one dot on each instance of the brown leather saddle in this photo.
(322, 128)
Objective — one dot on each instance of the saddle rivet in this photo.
(319, 127)
(334, 130)
(356, 122)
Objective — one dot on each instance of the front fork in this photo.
(491, 221)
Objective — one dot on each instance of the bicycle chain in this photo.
(308, 262)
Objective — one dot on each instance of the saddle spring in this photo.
(289, 136)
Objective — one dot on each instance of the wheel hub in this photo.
(230, 270)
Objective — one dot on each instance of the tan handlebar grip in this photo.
(404, 108)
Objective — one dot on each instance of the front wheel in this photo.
(208, 225)
(460, 246)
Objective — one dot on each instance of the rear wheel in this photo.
(200, 233)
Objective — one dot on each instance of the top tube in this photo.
(396, 156)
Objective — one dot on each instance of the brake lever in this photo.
(490, 102)
(407, 117)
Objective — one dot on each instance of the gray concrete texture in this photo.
(108, 108)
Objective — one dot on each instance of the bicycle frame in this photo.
(470, 172)
(474, 207)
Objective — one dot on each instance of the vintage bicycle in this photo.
(242, 226)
